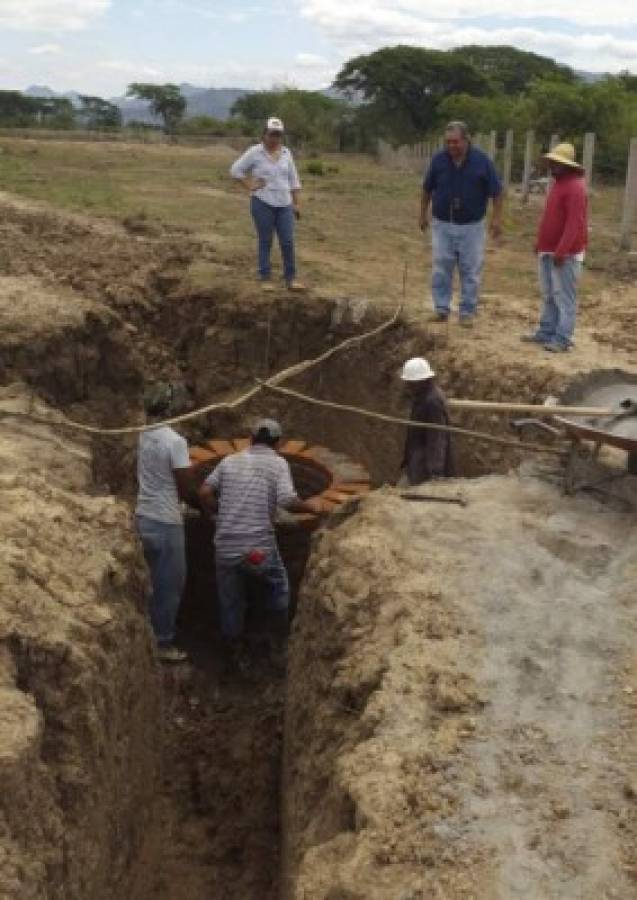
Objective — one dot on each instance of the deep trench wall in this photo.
(80, 703)
(366, 376)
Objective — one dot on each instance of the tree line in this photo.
(402, 94)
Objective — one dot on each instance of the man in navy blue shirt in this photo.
(460, 181)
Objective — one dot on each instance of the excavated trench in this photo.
(222, 746)
(217, 807)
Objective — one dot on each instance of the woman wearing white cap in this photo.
(268, 173)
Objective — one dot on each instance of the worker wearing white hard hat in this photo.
(428, 452)
(417, 369)
(267, 171)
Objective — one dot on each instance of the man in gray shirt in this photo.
(163, 467)
(246, 489)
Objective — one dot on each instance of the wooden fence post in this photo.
(588, 156)
(555, 139)
(508, 159)
(630, 198)
(529, 149)
(493, 144)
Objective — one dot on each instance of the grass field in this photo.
(359, 228)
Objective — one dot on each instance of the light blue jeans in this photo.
(268, 219)
(232, 590)
(165, 552)
(558, 285)
(461, 245)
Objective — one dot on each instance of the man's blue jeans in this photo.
(267, 220)
(232, 590)
(461, 245)
(558, 285)
(165, 551)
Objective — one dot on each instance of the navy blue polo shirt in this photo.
(461, 193)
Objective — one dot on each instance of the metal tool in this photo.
(460, 501)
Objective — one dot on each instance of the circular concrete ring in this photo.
(317, 472)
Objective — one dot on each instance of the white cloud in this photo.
(50, 15)
(361, 27)
(126, 67)
(310, 60)
(45, 50)
(583, 13)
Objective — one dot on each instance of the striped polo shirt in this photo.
(250, 486)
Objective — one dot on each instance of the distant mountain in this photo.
(45, 93)
(216, 102)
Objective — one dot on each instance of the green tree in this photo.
(166, 101)
(509, 70)
(55, 112)
(16, 109)
(405, 85)
(96, 113)
(310, 117)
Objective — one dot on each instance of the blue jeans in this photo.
(461, 245)
(232, 589)
(165, 551)
(558, 285)
(267, 220)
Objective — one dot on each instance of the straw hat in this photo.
(564, 154)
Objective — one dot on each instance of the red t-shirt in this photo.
(563, 229)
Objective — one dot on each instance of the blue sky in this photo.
(101, 45)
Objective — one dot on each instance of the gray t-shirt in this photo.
(250, 486)
(159, 453)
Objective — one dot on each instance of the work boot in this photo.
(466, 321)
(171, 655)
(530, 339)
(554, 347)
(267, 287)
(297, 286)
(439, 317)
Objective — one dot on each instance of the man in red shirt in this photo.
(561, 242)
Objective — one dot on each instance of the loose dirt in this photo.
(465, 724)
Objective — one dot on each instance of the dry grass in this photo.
(359, 229)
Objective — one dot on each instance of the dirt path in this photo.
(549, 770)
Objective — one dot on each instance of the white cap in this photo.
(417, 369)
(270, 426)
(274, 124)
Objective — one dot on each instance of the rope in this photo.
(284, 375)
(395, 420)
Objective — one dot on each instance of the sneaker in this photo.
(295, 285)
(439, 317)
(531, 339)
(466, 321)
(554, 347)
(267, 287)
(172, 655)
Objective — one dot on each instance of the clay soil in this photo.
(460, 719)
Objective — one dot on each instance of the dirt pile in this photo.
(80, 717)
(464, 725)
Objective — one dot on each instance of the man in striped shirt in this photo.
(246, 489)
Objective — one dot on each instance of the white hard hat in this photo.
(417, 369)
(274, 124)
